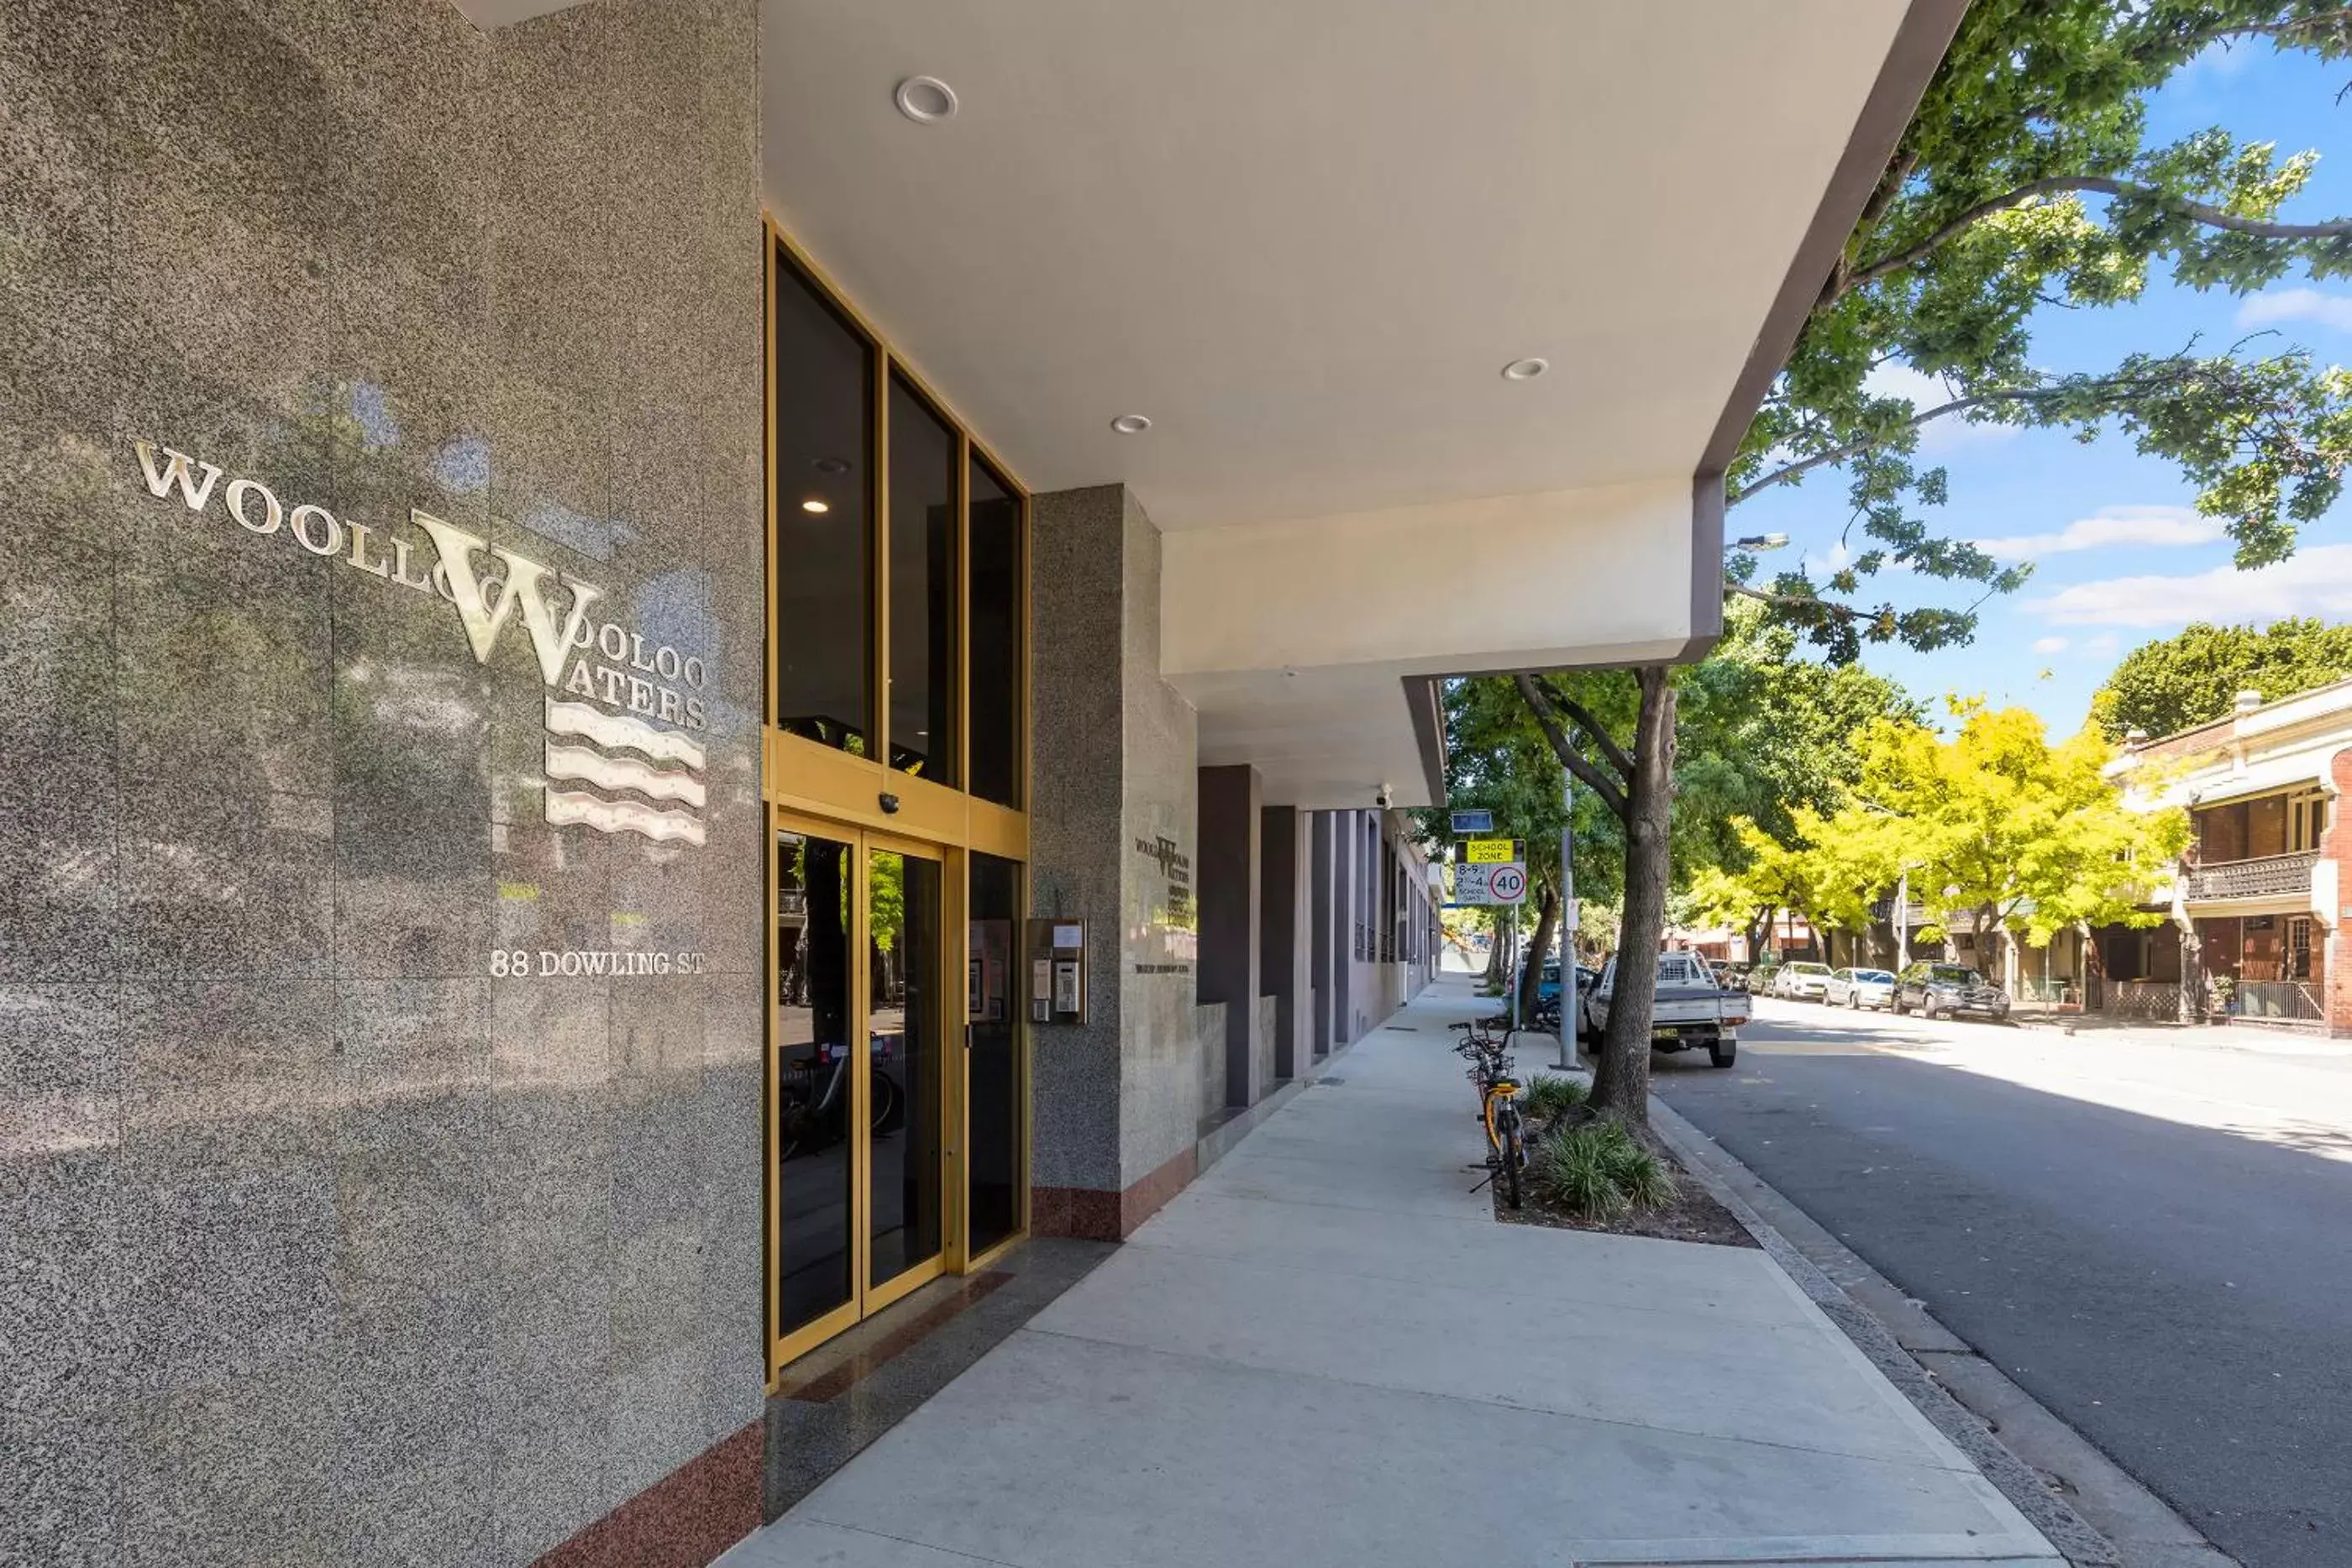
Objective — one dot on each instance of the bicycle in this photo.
(1499, 1107)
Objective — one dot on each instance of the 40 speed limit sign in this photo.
(1505, 883)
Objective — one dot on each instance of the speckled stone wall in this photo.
(321, 1242)
(1114, 839)
(1077, 603)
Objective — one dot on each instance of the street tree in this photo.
(1995, 824)
(2026, 180)
(2194, 676)
(1829, 869)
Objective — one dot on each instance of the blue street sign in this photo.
(1474, 822)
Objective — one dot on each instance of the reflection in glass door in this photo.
(904, 1164)
(863, 1086)
(994, 1090)
(817, 1085)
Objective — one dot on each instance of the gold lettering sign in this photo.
(621, 717)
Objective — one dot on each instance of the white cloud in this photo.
(1925, 392)
(2049, 644)
(2297, 305)
(2317, 581)
(2105, 643)
(1829, 560)
(2150, 527)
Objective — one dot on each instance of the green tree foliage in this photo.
(1821, 869)
(1763, 732)
(2195, 676)
(2026, 178)
(1766, 734)
(1996, 825)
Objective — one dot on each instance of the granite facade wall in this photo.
(322, 1239)
(1077, 850)
(1114, 839)
(1160, 913)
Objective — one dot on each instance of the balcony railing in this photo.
(2269, 876)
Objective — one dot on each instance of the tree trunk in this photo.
(1494, 980)
(1759, 931)
(1538, 949)
(1622, 1078)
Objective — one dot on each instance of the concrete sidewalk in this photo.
(1327, 1352)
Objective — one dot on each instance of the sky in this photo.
(2120, 555)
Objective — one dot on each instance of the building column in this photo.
(1322, 932)
(1117, 1100)
(1229, 902)
(1283, 920)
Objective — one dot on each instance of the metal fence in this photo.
(2284, 1002)
(2052, 995)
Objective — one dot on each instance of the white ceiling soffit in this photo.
(490, 14)
(1304, 238)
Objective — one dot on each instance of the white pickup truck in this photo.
(1692, 1010)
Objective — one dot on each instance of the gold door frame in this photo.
(863, 801)
(949, 965)
(783, 1347)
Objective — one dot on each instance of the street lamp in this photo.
(1759, 542)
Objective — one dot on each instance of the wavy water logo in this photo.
(598, 764)
(611, 771)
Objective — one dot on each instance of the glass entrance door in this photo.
(861, 1085)
(905, 1160)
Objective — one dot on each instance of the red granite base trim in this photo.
(1081, 1211)
(1150, 1196)
(1094, 1215)
(683, 1520)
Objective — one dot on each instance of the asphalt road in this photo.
(2154, 1241)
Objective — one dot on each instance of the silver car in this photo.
(1803, 982)
(1859, 989)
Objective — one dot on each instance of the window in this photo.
(2306, 821)
(924, 705)
(898, 569)
(993, 539)
(823, 577)
(2298, 949)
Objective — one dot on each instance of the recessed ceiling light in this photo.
(831, 465)
(925, 100)
(1525, 370)
(1130, 424)
(814, 506)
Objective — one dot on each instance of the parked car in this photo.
(1734, 975)
(1691, 1011)
(1860, 988)
(1946, 989)
(1801, 981)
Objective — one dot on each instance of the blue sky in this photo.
(2121, 555)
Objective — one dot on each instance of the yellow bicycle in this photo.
(1498, 1108)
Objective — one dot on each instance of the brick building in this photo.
(2252, 915)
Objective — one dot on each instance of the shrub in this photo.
(1599, 1170)
(1572, 1171)
(1551, 1094)
(1645, 1179)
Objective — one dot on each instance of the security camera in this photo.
(1381, 799)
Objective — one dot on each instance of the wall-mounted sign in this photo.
(621, 715)
(1171, 935)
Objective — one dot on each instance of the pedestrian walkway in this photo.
(1327, 1352)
